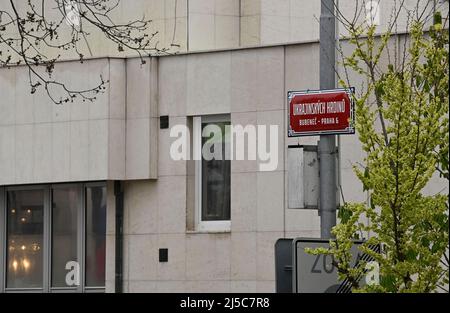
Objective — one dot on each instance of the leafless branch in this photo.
(28, 36)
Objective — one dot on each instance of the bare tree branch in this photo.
(28, 36)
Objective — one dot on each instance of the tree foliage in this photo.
(405, 138)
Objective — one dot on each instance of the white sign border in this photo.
(348, 131)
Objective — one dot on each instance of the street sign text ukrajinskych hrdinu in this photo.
(321, 112)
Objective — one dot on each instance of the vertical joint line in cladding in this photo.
(174, 23)
(188, 25)
(284, 144)
(240, 22)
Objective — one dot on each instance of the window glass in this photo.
(95, 236)
(65, 208)
(30, 232)
(25, 232)
(216, 174)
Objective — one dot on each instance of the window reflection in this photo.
(66, 205)
(25, 223)
(25, 231)
(216, 180)
(95, 236)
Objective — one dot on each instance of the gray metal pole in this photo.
(327, 143)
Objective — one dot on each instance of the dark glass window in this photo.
(25, 236)
(53, 233)
(66, 205)
(216, 178)
(95, 236)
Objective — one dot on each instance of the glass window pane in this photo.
(65, 208)
(95, 236)
(25, 232)
(216, 180)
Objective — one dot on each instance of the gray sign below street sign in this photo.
(317, 273)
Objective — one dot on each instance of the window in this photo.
(55, 238)
(65, 215)
(95, 236)
(213, 172)
(25, 236)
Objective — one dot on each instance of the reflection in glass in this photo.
(216, 179)
(95, 236)
(66, 205)
(25, 231)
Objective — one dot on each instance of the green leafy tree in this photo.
(405, 138)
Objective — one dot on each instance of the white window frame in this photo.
(205, 226)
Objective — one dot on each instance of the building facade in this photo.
(94, 189)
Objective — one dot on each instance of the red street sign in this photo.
(321, 112)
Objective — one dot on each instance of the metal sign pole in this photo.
(327, 143)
